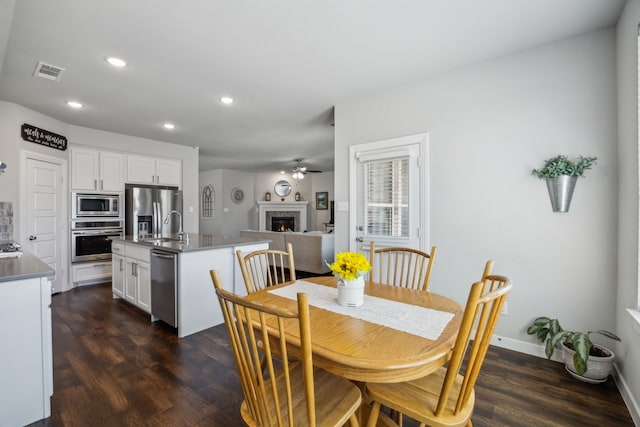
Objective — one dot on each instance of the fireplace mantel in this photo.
(265, 207)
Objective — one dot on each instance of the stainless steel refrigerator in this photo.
(146, 208)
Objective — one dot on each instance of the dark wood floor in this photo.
(112, 367)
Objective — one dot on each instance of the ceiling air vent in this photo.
(48, 71)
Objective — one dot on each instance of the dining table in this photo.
(398, 334)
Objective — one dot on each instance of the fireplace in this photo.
(283, 223)
(269, 210)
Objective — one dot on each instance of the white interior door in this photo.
(44, 196)
(389, 193)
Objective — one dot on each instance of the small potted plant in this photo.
(583, 359)
(561, 175)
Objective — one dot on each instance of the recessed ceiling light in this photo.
(226, 100)
(169, 126)
(116, 62)
(74, 104)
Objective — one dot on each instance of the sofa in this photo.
(311, 250)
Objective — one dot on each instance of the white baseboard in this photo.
(538, 351)
(524, 347)
(629, 400)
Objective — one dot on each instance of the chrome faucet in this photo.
(181, 234)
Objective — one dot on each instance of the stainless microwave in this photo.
(88, 205)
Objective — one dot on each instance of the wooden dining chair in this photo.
(447, 397)
(406, 267)
(290, 392)
(264, 268)
(488, 268)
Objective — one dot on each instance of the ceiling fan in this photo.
(300, 171)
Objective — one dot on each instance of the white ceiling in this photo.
(286, 62)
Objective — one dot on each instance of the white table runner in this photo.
(421, 321)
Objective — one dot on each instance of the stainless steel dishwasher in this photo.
(164, 286)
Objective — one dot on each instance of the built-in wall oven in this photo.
(93, 205)
(91, 239)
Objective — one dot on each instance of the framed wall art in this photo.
(322, 200)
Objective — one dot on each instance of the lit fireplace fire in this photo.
(283, 223)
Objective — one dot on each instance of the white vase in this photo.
(351, 292)
(598, 368)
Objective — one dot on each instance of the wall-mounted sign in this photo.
(43, 137)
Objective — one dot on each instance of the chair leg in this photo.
(353, 421)
(373, 415)
(396, 416)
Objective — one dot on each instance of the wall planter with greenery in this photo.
(561, 175)
(583, 359)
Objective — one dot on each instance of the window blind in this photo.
(385, 204)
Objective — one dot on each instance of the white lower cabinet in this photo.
(131, 285)
(134, 280)
(143, 274)
(26, 371)
(118, 277)
(89, 273)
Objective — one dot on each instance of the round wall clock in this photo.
(237, 195)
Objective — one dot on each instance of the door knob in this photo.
(359, 239)
(33, 237)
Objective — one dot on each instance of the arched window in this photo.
(208, 208)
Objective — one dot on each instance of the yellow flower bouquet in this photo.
(350, 265)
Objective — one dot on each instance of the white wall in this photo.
(489, 125)
(12, 117)
(628, 352)
(230, 217)
(320, 182)
(214, 224)
(245, 215)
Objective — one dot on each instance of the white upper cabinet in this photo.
(95, 170)
(141, 169)
(111, 171)
(169, 172)
(149, 170)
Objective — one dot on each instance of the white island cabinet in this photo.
(196, 302)
(130, 274)
(26, 371)
(198, 306)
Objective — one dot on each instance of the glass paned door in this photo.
(389, 205)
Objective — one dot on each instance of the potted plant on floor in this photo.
(583, 359)
(561, 175)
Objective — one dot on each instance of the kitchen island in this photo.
(169, 278)
(26, 373)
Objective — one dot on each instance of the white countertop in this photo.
(26, 266)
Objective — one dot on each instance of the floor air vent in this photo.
(48, 71)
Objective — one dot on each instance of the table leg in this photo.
(365, 409)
